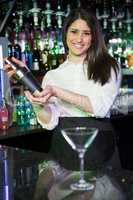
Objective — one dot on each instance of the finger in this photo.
(44, 92)
(40, 100)
(32, 98)
(37, 99)
(7, 67)
(28, 95)
(10, 73)
(43, 99)
(20, 63)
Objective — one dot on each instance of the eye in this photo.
(73, 31)
(87, 33)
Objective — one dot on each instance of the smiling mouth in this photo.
(77, 46)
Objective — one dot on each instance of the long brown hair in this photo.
(98, 58)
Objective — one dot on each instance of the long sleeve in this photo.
(102, 98)
(54, 117)
(52, 107)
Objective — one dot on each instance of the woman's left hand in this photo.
(42, 98)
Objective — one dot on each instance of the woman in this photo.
(87, 83)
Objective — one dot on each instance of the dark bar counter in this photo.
(25, 152)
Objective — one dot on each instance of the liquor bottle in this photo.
(128, 51)
(24, 75)
(44, 67)
(113, 15)
(52, 59)
(35, 11)
(105, 16)
(28, 56)
(60, 47)
(10, 49)
(48, 13)
(120, 17)
(36, 56)
(130, 58)
(53, 52)
(22, 42)
(59, 15)
(16, 47)
(33, 119)
(9, 46)
(5, 111)
(128, 18)
(68, 10)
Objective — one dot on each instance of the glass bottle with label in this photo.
(4, 116)
(6, 103)
(36, 56)
(28, 56)
(53, 52)
(44, 55)
(16, 47)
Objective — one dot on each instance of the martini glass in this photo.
(80, 138)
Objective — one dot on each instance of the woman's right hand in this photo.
(8, 69)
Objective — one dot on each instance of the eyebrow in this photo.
(85, 31)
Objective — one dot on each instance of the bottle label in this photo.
(54, 62)
(4, 118)
(130, 60)
(44, 58)
(20, 74)
(35, 66)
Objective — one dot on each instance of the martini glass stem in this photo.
(81, 157)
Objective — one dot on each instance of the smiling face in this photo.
(78, 39)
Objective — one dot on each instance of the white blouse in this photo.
(73, 77)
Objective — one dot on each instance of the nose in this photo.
(79, 37)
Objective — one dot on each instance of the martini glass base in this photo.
(82, 186)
